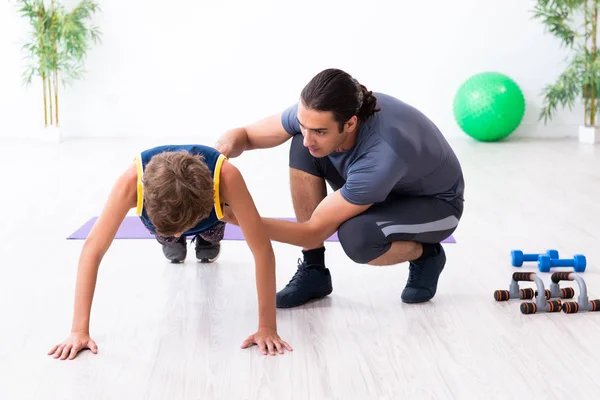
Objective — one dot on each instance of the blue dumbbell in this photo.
(578, 263)
(517, 256)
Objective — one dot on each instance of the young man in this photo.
(398, 186)
(177, 191)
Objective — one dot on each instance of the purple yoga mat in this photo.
(133, 228)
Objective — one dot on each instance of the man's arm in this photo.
(266, 133)
(367, 184)
(333, 211)
(235, 193)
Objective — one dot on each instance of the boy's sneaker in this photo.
(176, 251)
(310, 282)
(206, 252)
(423, 277)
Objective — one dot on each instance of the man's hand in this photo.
(263, 134)
(73, 345)
(224, 147)
(267, 339)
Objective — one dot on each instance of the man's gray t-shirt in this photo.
(398, 150)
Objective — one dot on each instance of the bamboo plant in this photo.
(575, 24)
(57, 46)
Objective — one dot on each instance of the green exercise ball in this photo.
(489, 106)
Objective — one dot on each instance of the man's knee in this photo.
(361, 240)
(300, 159)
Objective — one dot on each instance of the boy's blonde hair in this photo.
(178, 191)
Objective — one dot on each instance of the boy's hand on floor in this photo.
(73, 345)
(267, 340)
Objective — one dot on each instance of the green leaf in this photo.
(563, 92)
(574, 23)
(59, 40)
(557, 19)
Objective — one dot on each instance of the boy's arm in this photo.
(234, 192)
(122, 198)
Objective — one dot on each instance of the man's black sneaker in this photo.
(206, 252)
(423, 277)
(176, 251)
(310, 282)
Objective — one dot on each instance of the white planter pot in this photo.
(589, 134)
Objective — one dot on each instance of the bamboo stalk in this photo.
(585, 111)
(41, 43)
(585, 93)
(50, 99)
(45, 100)
(54, 57)
(594, 49)
(56, 95)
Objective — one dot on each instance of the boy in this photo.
(178, 191)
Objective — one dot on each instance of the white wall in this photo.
(194, 68)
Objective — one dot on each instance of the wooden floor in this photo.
(173, 332)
